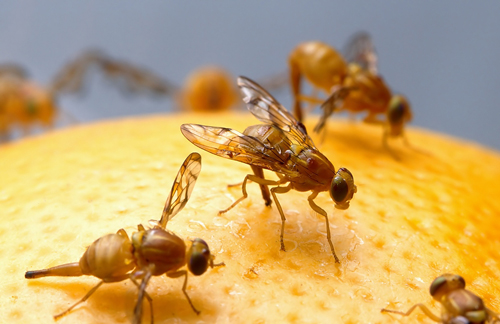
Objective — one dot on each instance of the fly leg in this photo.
(321, 211)
(91, 291)
(372, 119)
(385, 143)
(184, 273)
(253, 178)
(259, 172)
(142, 292)
(150, 300)
(421, 306)
(281, 190)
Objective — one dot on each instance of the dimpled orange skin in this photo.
(410, 221)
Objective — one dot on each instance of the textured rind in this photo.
(410, 221)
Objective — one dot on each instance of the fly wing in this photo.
(268, 110)
(360, 50)
(231, 144)
(182, 188)
(13, 70)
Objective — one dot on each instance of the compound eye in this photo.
(399, 110)
(198, 257)
(343, 188)
(339, 189)
(436, 284)
(445, 283)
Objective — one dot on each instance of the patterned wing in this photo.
(233, 145)
(182, 188)
(268, 110)
(360, 50)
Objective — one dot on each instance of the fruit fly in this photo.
(23, 103)
(281, 145)
(459, 305)
(211, 89)
(149, 252)
(208, 89)
(352, 85)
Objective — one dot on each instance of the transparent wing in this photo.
(331, 104)
(360, 50)
(268, 110)
(182, 188)
(131, 78)
(13, 70)
(70, 78)
(233, 145)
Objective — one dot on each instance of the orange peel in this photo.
(411, 220)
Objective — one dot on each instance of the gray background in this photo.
(442, 55)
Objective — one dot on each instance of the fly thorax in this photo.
(463, 303)
(163, 249)
(270, 135)
(318, 165)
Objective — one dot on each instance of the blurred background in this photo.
(442, 55)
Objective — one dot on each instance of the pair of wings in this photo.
(231, 144)
(360, 50)
(181, 189)
(131, 78)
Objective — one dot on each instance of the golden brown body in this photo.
(23, 104)
(319, 64)
(208, 89)
(150, 252)
(26, 104)
(281, 145)
(459, 305)
(352, 86)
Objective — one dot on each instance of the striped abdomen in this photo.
(108, 258)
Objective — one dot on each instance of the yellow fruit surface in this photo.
(412, 219)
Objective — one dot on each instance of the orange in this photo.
(410, 221)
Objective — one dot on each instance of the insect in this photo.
(352, 85)
(24, 103)
(459, 305)
(281, 145)
(149, 252)
(211, 89)
(208, 89)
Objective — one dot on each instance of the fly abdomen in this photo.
(63, 270)
(108, 257)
